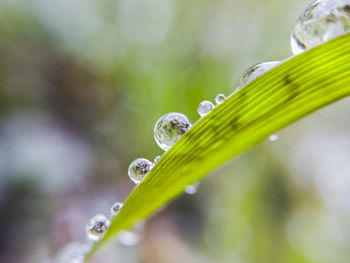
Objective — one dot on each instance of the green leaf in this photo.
(283, 95)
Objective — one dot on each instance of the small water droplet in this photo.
(128, 238)
(72, 253)
(205, 107)
(220, 98)
(273, 137)
(321, 21)
(138, 169)
(170, 128)
(115, 208)
(255, 71)
(191, 189)
(96, 227)
(157, 158)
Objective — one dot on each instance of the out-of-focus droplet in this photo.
(191, 189)
(72, 253)
(96, 227)
(255, 71)
(131, 237)
(128, 238)
(115, 208)
(170, 128)
(138, 169)
(220, 98)
(323, 20)
(273, 137)
(205, 107)
(157, 158)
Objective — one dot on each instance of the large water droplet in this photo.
(205, 107)
(320, 22)
(138, 169)
(115, 208)
(220, 98)
(72, 253)
(96, 227)
(170, 128)
(256, 71)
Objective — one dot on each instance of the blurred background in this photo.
(82, 83)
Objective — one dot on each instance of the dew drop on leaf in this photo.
(96, 227)
(170, 128)
(157, 158)
(205, 107)
(256, 71)
(115, 208)
(138, 169)
(220, 98)
(323, 20)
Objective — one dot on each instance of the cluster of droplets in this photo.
(95, 229)
(322, 20)
(206, 106)
(97, 225)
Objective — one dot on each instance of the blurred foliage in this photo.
(82, 83)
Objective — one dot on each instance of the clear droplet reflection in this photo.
(115, 208)
(96, 227)
(205, 107)
(220, 98)
(170, 128)
(138, 169)
(255, 71)
(323, 20)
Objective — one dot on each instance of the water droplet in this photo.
(273, 137)
(128, 238)
(72, 253)
(138, 169)
(220, 98)
(205, 107)
(157, 158)
(96, 227)
(115, 208)
(323, 20)
(255, 71)
(191, 189)
(170, 128)
(132, 237)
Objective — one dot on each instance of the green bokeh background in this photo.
(82, 84)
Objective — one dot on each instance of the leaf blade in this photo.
(281, 96)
